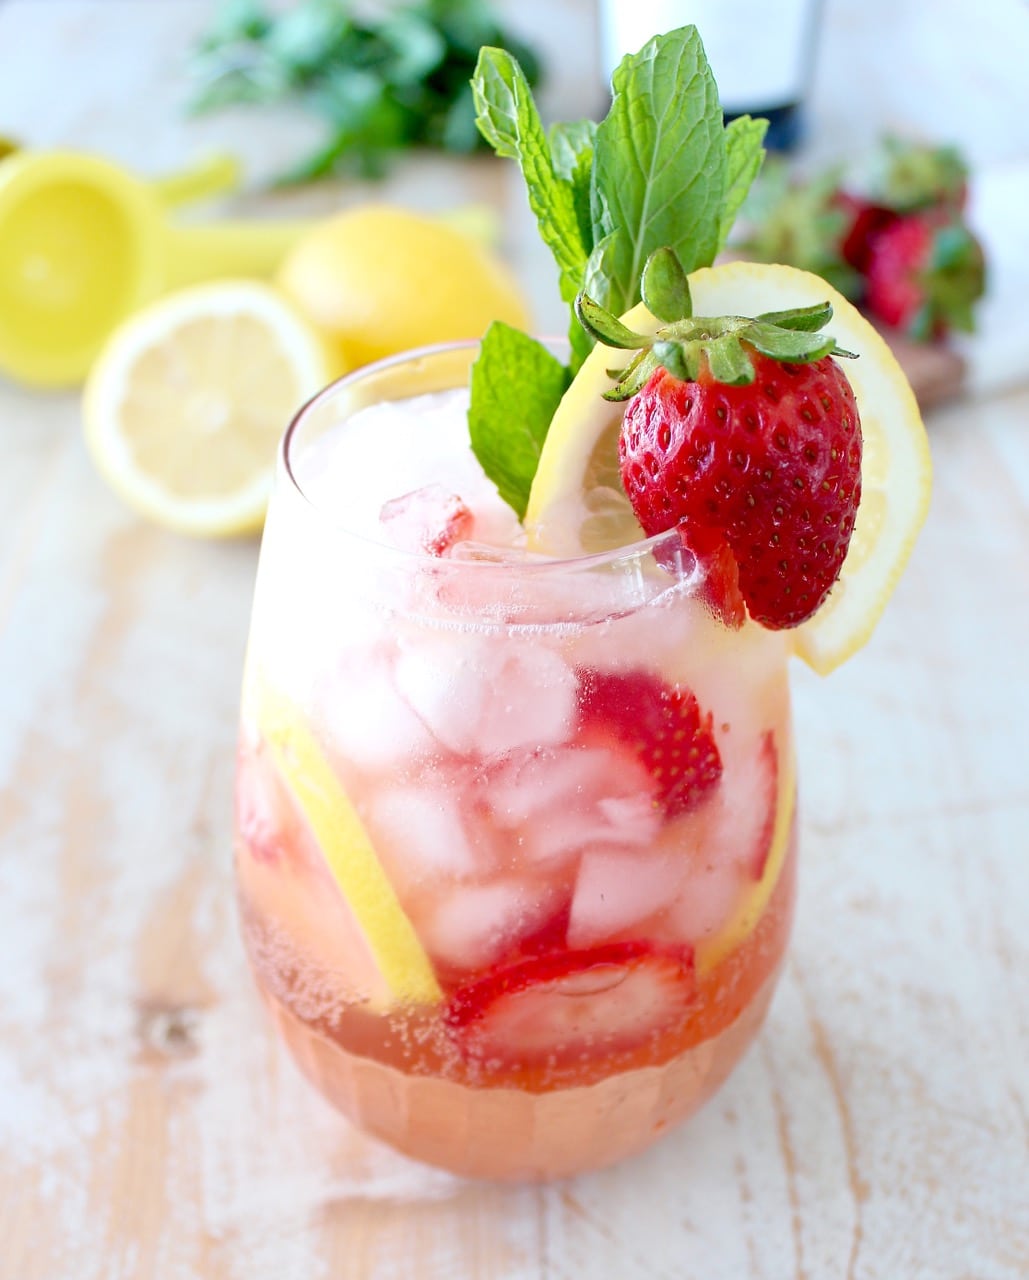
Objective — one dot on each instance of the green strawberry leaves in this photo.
(655, 185)
(684, 343)
(666, 287)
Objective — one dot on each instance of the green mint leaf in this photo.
(508, 120)
(744, 153)
(571, 148)
(571, 145)
(659, 165)
(516, 385)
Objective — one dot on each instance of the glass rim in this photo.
(542, 563)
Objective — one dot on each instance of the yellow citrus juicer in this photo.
(83, 243)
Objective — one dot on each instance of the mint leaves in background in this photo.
(382, 79)
(661, 170)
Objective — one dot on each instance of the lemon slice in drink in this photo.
(754, 902)
(186, 404)
(896, 474)
(348, 851)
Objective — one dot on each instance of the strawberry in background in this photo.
(894, 240)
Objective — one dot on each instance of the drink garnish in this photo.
(661, 170)
(634, 209)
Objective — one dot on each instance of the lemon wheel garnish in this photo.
(348, 851)
(186, 403)
(754, 902)
(896, 472)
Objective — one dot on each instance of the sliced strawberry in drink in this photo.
(662, 724)
(558, 1006)
(430, 519)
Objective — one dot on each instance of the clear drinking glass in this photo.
(491, 923)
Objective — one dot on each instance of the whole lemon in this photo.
(378, 280)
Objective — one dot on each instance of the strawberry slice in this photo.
(662, 724)
(556, 1007)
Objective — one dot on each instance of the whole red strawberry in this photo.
(925, 272)
(743, 434)
(773, 466)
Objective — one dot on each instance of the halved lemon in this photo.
(186, 403)
(406, 971)
(580, 454)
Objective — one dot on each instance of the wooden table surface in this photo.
(149, 1124)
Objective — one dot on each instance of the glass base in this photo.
(508, 1134)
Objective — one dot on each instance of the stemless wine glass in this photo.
(515, 836)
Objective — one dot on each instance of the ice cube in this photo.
(705, 901)
(426, 441)
(470, 926)
(659, 636)
(430, 519)
(419, 834)
(619, 888)
(487, 695)
(538, 782)
(561, 802)
(366, 718)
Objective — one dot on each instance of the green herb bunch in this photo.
(381, 84)
(661, 172)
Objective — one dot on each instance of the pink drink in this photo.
(515, 836)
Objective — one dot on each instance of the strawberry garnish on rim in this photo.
(744, 434)
(662, 725)
(552, 1008)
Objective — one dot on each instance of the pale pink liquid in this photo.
(444, 697)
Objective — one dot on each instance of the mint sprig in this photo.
(509, 121)
(660, 171)
(659, 167)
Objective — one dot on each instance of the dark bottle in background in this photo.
(761, 51)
